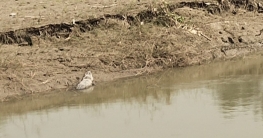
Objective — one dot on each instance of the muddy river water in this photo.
(219, 100)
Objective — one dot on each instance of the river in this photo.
(217, 100)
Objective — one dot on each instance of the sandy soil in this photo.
(135, 38)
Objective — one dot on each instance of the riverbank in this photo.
(132, 39)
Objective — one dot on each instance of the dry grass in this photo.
(159, 37)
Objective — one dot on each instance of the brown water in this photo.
(219, 100)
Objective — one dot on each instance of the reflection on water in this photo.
(216, 100)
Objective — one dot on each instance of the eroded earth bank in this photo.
(50, 45)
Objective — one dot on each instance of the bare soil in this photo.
(43, 49)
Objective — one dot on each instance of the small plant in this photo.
(166, 17)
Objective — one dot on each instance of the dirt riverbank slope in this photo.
(49, 45)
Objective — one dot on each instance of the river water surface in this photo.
(219, 100)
